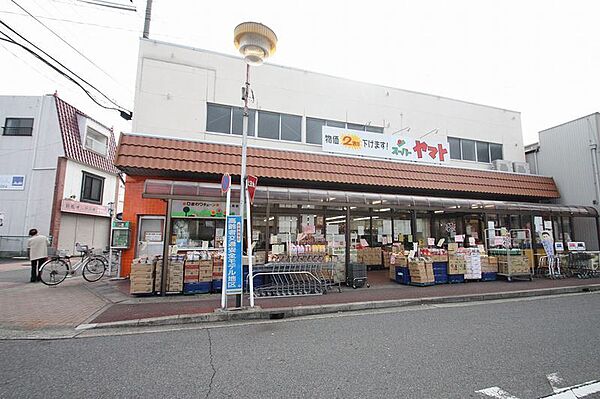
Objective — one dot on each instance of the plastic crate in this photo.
(441, 278)
(402, 275)
(456, 278)
(217, 285)
(197, 288)
(491, 276)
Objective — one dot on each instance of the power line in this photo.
(64, 41)
(73, 22)
(59, 63)
(10, 40)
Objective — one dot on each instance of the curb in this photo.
(298, 311)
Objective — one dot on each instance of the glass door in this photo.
(150, 236)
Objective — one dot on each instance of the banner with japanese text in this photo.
(377, 145)
(233, 252)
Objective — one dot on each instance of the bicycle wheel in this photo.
(54, 271)
(94, 268)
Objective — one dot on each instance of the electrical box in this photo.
(121, 235)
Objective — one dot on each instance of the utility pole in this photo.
(148, 18)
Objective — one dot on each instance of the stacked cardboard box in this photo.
(191, 271)
(489, 264)
(513, 265)
(174, 274)
(140, 276)
(421, 272)
(457, 264)
(369, 256)
(217, 268)
(473, 265)
(205, 271)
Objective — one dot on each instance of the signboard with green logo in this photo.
(201, 209)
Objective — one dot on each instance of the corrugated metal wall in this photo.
(565, 154)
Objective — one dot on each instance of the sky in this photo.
(538, 57)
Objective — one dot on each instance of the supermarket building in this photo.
(313, 190)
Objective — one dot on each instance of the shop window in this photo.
(454, 148)
(495, 151)
(360, 231)
(18, 127)
(197, 233)
(238, 119)
(227, 119)
(468, 150)
(92, 187)
(423, 230)
(96, 141)
(382, 231)
(483, 152)
(314, 129)
(291, 127)
(402, 229)
(374, 129)
(218, 118)
(336, 124)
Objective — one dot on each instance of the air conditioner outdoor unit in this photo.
(504, 166)
(521, 167)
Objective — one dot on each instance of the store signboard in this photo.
(12, 182)
(84, 208)
(233, 252)
(376, 145)
(203, 209)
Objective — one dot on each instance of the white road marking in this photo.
(573, 392)
(496, 392)
(555, 381)
(586, 390)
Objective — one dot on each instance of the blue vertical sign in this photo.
(233, 248)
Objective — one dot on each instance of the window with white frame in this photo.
(96, 141)
(472, 150)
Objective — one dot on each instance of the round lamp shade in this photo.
(255, 41)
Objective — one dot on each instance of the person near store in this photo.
(38, 252)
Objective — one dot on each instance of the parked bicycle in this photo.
(57, 268)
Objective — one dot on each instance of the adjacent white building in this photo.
(56, 174)
(569, 153)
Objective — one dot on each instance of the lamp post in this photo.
(256, 42)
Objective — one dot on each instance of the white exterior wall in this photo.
(74, 178)
(174, 84)
(33, 156)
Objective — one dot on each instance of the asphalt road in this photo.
(448, 351)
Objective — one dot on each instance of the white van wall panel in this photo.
(298, 92)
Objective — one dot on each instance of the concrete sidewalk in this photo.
(29, 308)
(181, 309)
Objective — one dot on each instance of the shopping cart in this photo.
(294, 279)
(582, 265)
(356, 275)
(549, 266)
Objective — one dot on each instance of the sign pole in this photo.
(225, 186)
(223, 285)
(249, 251)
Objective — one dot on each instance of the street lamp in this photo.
(256, 42)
